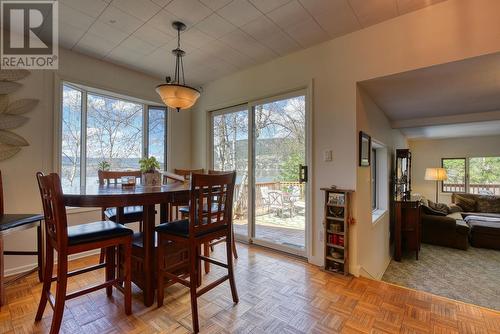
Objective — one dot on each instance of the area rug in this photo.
(471, 276)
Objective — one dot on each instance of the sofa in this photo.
(462, 222)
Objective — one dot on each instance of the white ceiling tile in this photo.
(138, 45)
(195, 36)
(222, 51)
(323, 11)
(162, 21)
(92, 8)
(162, 3)
(215, 26)
(260, 28)
(124, 55)
(188, 11)
(118, 19)
(405, 6)
(69, 35)
(289, 14)
(149, 34)
(308, 33)
(143, 10)
(266, 6)
(281, 43)
(73, 17)
(374, 11)
(95, 45)
(107, 32)
(215, 4)
(244, 43)
(239, 12)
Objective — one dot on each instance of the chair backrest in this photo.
(187, 172)
(107, 176)
(1, 195)
(213, 191)
(217, 172)
(275, 198)
(56, 224)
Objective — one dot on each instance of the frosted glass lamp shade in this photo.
(435, 174)
(178, 96)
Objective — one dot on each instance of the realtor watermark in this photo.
(30, 35)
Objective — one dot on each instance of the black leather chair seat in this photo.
(97, 231)
(130, 214)
(181, 228)
(8, 221)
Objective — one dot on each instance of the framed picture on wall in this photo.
(365, 148)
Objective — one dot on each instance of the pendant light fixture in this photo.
(175, 94)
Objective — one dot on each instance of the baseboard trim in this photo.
(31, 266)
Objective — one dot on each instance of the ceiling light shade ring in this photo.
(174, 93)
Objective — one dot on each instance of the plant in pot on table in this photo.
(150, 174)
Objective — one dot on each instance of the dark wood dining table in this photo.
(116, 195)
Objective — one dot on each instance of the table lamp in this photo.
(436, 174)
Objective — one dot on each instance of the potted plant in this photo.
(149, 168)
(103, 165)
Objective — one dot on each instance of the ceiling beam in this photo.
(442, 120)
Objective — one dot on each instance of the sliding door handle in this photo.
(302, 174)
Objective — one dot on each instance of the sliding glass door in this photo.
(279, 127)
(266, 143)
(230, 152)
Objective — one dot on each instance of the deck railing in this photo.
(483, 189)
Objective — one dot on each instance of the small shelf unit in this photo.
(336, 227)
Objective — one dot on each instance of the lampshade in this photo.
(435, 174)
(178, 96)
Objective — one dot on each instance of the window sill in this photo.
(377, 215)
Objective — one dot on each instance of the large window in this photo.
(476, 175)
(103, 131)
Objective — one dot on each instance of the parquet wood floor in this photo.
(278, 294)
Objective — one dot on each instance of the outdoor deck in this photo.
(286, 231)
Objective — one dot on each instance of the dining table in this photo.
(120, 196)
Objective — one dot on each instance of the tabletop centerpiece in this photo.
(150, 174)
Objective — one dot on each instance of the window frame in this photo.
(85, 90)
(466, 181)
(374, 179)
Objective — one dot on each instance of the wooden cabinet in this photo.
(336, 227)
(407, 227)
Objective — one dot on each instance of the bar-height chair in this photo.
(178, 205)
(202, 227)
(15, 222)
(126, 215)
(77, 239)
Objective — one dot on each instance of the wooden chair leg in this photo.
(230, 268)
(193, 283)
(198, 265)
(39, 250)
(3, 300)
(48, 270)
(62, 280)
(233, 244)
(110, 268)
(160, 292)
(102, 256)
(128, 278)
(206, 252)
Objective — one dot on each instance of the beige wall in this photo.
(451, 30)
(375, 256)
(428, 153)
(20, 189)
